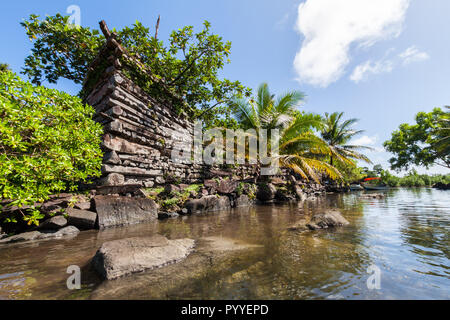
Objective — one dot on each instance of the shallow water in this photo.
(405, 236)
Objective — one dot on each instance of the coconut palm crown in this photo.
(299, 149)
(338, 133)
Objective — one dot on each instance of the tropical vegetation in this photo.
(338, 132)
(411, 179)
(424, 143)
(48, 143)
(299, 147)
(189, 64)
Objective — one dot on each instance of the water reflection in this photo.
(406, 235)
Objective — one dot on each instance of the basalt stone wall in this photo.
(140, 131)
(140, 134)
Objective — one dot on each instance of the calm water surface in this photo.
(405, 235)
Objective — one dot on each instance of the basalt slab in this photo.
(119, 258)
(208, 204)
(115, 211)
(36, 235)
(326, 220)
(82, 219)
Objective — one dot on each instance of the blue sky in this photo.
(379, 61)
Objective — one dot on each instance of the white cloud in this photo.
(362, 71)
(365, 141)
(330, 27)
(412, 54)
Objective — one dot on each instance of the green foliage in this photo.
(413, 179)
(193, 188)
(48, 143)
(174, 200)
(249, 189)
(152, 193)
(440, 136)
(338, 133)
(4, 67)
(59, 49)
(424, 143)
(350, 172)
(299, 148)
(189, 64)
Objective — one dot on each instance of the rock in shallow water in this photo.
(36, 235)
(300, 225)
(243, 201)
(208, 204)
(167, 215)
(266, 192)
(126, 256)
(372, 196)
(326, 220)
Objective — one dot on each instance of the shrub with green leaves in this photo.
(48, 143)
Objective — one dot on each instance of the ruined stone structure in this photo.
(140, 131)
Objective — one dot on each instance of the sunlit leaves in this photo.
(189, 64)
(422, 143)
(48, 143)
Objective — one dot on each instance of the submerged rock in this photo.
(214, 244)
(26, 236)
(126, 256)
(36, 235)
(213, 258)
(372, 196)
(167, 215)
(67, 231)
(242, 201)
(326, 220)
(300, 225)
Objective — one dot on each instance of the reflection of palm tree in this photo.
(299, 149)
(337, 133)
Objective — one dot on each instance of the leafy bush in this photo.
(413, 179)
(190, 62)
(48, 143)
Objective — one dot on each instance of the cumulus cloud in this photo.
(363, 70)
(365, 141)
(330, 27)
(412, 54)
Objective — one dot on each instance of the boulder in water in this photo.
(126, 256)
(266, 192)
(326, 220)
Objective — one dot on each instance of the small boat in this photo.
(369, 187)
(356, 187)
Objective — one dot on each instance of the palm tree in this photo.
(299, 148)
(338, 133)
